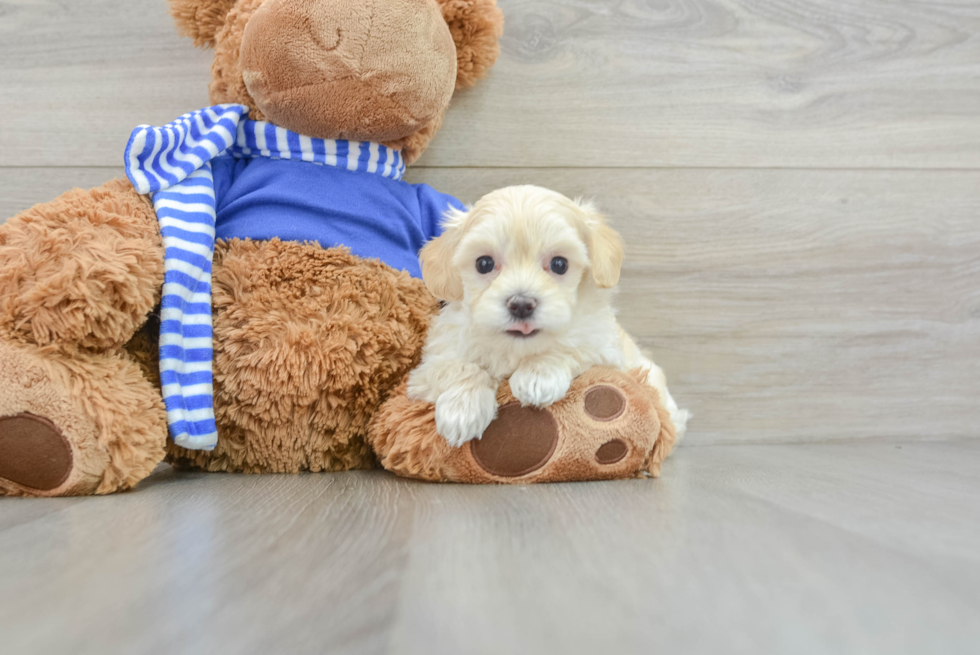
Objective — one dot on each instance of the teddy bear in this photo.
(252, 288)
(316, 309)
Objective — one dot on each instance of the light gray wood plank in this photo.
(724, 83)
(846, 548)
(784, 305)
(761, 83)
(694, 564)
(78, 77)
(178, 562)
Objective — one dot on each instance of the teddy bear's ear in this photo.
(200, 19)
(476, 26)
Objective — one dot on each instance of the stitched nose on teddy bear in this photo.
(365, 70)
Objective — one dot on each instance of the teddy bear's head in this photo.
(364, 70)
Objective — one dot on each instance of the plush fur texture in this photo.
(78, 276)
(521, 318)
(307, 343)
(403, 433)
(415, 111)
(358, 70)
(106, 409)
(227, 77)
(81, 271)
(476, 27)
(200, 19)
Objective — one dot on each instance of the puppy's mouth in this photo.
(522, 330)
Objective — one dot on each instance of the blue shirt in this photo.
(373, 215)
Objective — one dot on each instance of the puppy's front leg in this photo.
(465, 396)
(541, 381)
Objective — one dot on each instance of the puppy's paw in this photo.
(540, 386)
(464, 414)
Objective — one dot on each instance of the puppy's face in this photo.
(518, 260)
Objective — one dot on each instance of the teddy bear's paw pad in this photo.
(33, 452)
(611, 452)
(604, 403)
(519, 441)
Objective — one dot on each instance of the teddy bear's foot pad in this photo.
(519, 441)
(33, 452)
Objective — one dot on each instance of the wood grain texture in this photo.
(79, 76)
(856, 548)
(761, 83)
(784, 305)
(722, 83)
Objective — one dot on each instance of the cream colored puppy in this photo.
(528, 278)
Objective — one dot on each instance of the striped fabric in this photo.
(172, 163)
(261, 139)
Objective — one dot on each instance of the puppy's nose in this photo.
(521, 307)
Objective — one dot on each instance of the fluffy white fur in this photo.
(476, 341)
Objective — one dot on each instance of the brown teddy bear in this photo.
(306, 340)
(207, 293)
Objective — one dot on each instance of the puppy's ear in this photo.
(606, 249)
(438, 272)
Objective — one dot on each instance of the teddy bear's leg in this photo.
(308, 342)
(611, 424)
(74, 425)
(78, 277)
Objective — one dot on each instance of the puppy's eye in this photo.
(559, 265)
(484, 265)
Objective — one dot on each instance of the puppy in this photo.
(528, 279)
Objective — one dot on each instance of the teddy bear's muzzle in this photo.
(349, 69)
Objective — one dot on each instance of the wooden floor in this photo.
(822, 548)
(798, 183)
